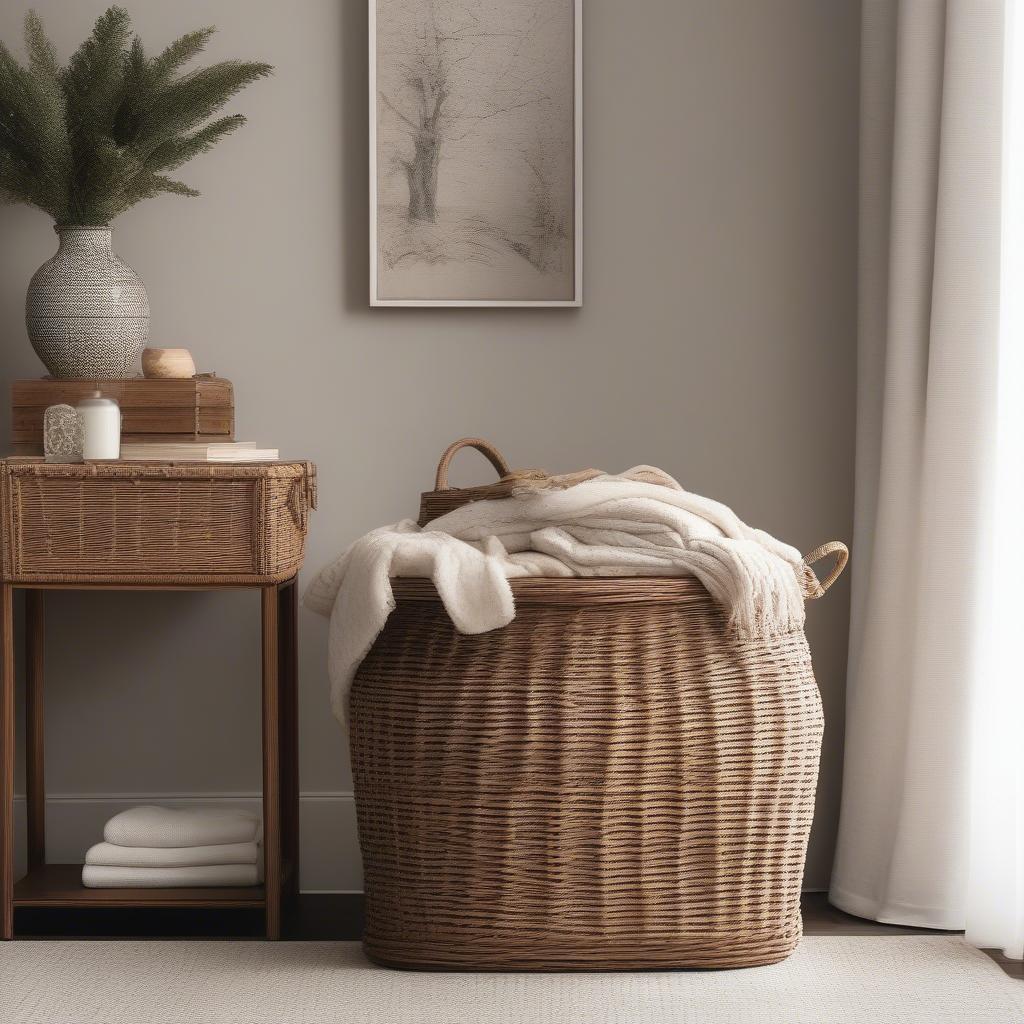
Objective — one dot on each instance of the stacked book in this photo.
(196, 451)
(160, 848)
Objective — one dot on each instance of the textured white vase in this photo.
(87, 312)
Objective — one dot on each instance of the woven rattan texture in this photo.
(434, 504)
(184, 523)
(602, 784)
(444, 499)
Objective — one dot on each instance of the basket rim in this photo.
(575, 590)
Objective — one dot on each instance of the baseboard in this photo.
(329, 861)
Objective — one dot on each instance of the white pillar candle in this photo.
(101, 427)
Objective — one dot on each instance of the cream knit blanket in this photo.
(639, 523)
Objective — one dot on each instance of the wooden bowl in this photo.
(168, 362)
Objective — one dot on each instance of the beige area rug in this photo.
(829, 980)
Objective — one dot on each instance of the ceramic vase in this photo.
(87, 312)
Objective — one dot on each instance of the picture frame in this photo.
(446, 80)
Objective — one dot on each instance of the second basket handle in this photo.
(818, 587)
(493, 456)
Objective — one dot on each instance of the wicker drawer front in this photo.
(163, 526)
(185, 523)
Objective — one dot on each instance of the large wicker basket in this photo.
(151, 521)
(612, 781)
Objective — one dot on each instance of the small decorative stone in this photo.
(168, 362)
(62, 434)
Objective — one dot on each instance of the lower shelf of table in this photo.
(60, 885)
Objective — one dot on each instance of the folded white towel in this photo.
(98, 876)
(641, 523)
(163, 827)
(111, 856)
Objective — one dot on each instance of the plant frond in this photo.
(170, 155)
(188, 101)
(147, 185)
(94, 79)
(32, 133)
(41, 53)
(136, 69)
(16, 183)
(179, 188)
(88, 141)
(180, 52)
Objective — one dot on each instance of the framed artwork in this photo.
(476, 133)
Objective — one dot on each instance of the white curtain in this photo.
(995, 893)
(931, 821)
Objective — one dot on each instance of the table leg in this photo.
(271, 762)
(288, 649)
(35, 787)
(6, 761)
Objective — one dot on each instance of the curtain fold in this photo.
(929, 326)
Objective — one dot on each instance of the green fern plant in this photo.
(87, 141)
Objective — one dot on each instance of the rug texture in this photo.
(828, 980)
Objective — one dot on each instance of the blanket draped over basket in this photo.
(639, 523)
(620, 777)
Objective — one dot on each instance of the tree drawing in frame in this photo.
(475, 152)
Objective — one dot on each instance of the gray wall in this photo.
(716, 340)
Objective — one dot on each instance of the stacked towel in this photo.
(156, 847)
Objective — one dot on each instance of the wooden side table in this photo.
(105, 526)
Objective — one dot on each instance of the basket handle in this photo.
(816, 587)
(493, 456)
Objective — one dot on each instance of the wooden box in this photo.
(200, 408)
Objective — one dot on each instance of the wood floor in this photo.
(340, 917)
